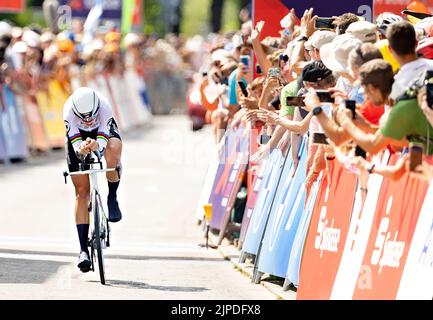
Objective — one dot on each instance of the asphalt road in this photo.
(154, 252)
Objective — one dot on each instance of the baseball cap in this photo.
(5, 28)
(315, 71)
(132, 39)
(335, 54)
(363, 30)
(31, 38)
(319, 38)
(20, 47)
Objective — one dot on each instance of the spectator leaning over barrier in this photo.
(368, 114)
(404, 121)
(403, 43)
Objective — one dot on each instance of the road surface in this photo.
(154, 252)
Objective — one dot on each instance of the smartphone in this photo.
(245, 60)
(325, 23)
(258, 69)
(325, 96)
(276, 102)
(274, 72)
(319, 138)
(351, 105)
(429, 88)
(243, 87)
(295, 101)
(359, 152)
(263, 139)
(415, 155)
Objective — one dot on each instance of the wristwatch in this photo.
(317, 110)
(371, 168)
(303, 38)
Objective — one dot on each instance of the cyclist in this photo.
(90, 126)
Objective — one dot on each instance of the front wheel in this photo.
(97, 238)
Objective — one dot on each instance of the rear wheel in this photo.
(97, 239)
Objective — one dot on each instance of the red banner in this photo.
(396, 6)
(327, 234)
(13, 6)
(397, 212)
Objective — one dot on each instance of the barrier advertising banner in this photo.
(397, 212)
(252, 198)
(327, 235)
(284, 218)
(295, 255)
(417, 279)
(207, 186)
(35, 124)
(356, 242)
(233, 163)
(264, 200)
(13, 130)
(51, 104)
(236, 178)
(272, 11)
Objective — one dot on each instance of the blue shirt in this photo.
(233, 99)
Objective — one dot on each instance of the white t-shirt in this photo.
(407, 74)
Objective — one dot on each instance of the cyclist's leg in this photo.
(82, 196)
(112, 157)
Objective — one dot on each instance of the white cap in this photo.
(19, 47)
(16, 32)
(219, 55)
(363, 30)
(47, 36)
(334, 55)
(132, 39)
(31, 38)
(319, 38)
(5, 28)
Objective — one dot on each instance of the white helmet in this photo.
(85, 103)
(385, 19)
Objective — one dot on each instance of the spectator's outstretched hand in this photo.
(311, 100)
(308, 23)
(267, 116)
(255, 35)
(424, 172)
(249, 102)
(427, 110)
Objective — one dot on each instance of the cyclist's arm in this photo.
(72, 132)
(106, 118)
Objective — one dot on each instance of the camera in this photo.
(245, 60)
(429, 88)
(351, 105)
(276, 102)
(325, 96)
(359, 152)
(263, 139)
(319, 138)
(324, 23)
(243, 87)
(295, 101)
(274, 72)
(415, 155)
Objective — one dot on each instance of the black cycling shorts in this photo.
(71, 157)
